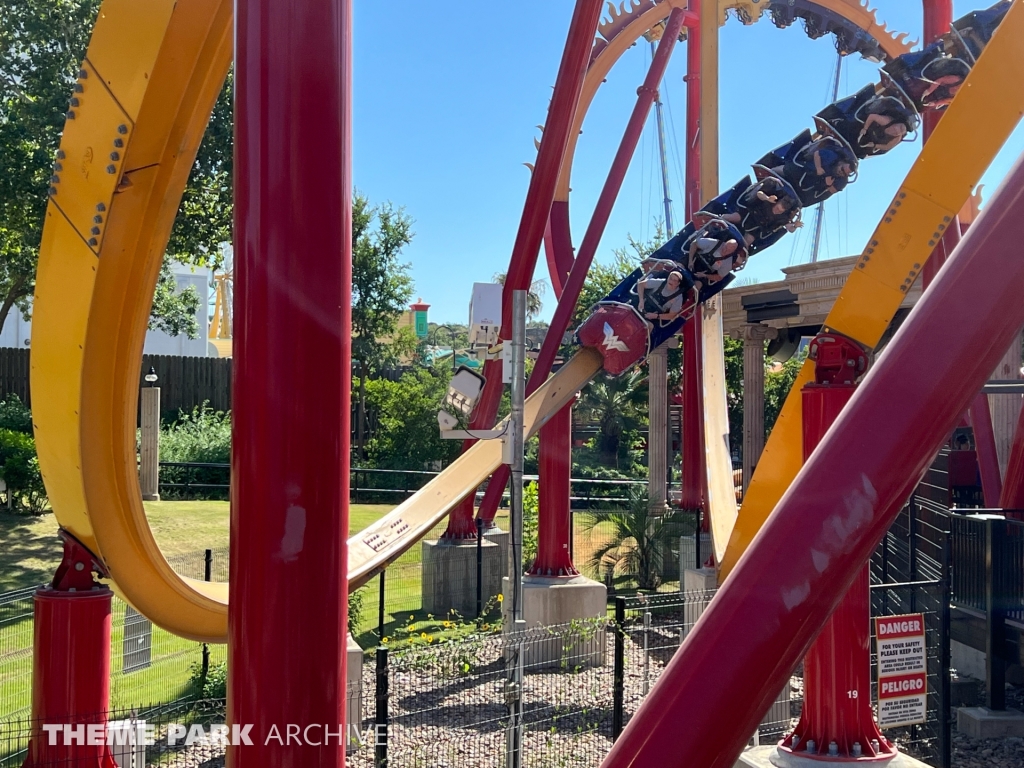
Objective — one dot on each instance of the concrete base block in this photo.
(984, 723)
(698, 585)
(688, 552)
(771, 757)
(504, 540)
(556, 600)
(449, 575)
(353, 693)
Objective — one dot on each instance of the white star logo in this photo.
(611, 341)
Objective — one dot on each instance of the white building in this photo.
(17, 332)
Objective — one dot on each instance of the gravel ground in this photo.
(442, 717)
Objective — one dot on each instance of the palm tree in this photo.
(617, 405)
(533, 295)
(635, 541)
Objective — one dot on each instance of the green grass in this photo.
(30, 550)
(30, 553)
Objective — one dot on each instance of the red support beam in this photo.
(768, 612)
(558, 246)
(555, 459)
(539, 197)
(646, 94)
(292, 379)
(985, 444)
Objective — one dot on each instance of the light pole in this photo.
(149, 459)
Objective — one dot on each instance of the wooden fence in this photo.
(184, 382)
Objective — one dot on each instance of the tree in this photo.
(618, 406)
(637, 542)
(778, 381)
(406, 436)
(381, 289)
(42, 44)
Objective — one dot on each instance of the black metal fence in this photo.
(198, 480)
(911, 572)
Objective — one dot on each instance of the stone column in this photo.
(657, 430)
(754, 337)
(149, 457)
(1006, 408)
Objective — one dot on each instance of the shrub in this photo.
(531, 504)
(204, 436)
(214, 685)
(356, 604)
(19, 468)
(15, 415)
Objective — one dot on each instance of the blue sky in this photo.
(448, 97)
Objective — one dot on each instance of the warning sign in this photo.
(902, 670)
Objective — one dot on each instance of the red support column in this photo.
(764, 618)
(539, 196)
(71, 667)
(837, 668)
(554, 516)
(292, 381)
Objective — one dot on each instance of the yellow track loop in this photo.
(154, 70)
(984, 113)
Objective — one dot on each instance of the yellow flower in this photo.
(430, 638)
(501, 598)
(385, 640)
(423, 635)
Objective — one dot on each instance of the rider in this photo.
(819, 170)
(766, 207)
(713, 251)
(887, 121)
(661, 299)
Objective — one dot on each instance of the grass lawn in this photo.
(30, 550)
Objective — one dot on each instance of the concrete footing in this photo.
(353, 693)
(504, 540)
(772, 757)
(985, 723)
(558, 600)
(449, 575)
(688, 552)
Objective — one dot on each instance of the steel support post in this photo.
(995, 625)
(837, 719)
(292, 378)
(149, 448)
